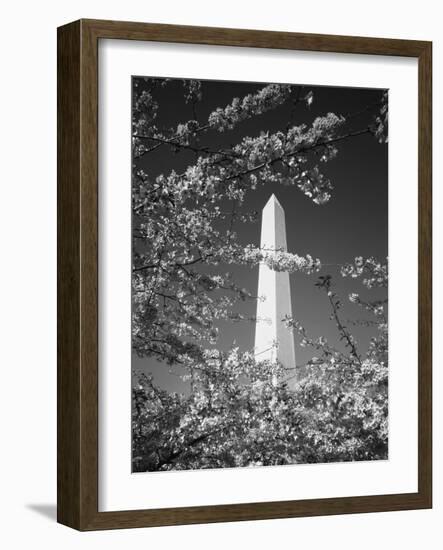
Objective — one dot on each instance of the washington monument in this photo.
(275, 288)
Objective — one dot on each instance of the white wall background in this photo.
(28, 271)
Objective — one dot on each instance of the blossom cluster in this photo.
(267, 98)
(280, 260)
(375, 273)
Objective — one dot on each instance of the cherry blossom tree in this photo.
(184, 242)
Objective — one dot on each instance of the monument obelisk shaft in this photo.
(274, 286)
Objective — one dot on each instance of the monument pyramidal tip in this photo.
(274, 287)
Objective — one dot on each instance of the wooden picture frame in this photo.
(78, 274)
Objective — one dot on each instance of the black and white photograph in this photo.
(259, 274)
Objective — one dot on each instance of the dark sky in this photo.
(353, 223)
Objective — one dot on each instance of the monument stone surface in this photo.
(274, 286)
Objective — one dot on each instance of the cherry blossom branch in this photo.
(325, 284)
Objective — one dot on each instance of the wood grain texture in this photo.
(254, 38)
(425, 274)
(78, 270)
(68, 275)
